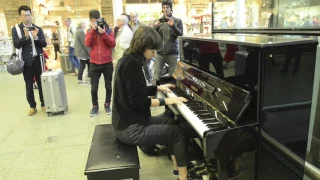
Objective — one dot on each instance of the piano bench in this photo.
(111, 159)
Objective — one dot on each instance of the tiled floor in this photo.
(44, 148)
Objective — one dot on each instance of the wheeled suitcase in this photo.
(65, 64)
(54, 92)
(240, 62)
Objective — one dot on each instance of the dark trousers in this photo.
(95, 72)
(29, 73)
(83, 64)
(56, 50)
(161, 130)
(216, 59)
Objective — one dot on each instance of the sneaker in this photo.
(35, 86)
(43, 108)
(189, 166)
(233, 172)
(107, 109)
(32, 111)
(94, 111)
(176, 173)
(82, 83)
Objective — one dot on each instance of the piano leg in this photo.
(222, 171)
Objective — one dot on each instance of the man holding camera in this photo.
(31, 42)
(100, 40)
(169, 28)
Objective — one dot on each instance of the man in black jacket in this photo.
(169, 28)
(32, 42)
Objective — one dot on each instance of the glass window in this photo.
(266, 14)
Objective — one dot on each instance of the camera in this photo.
(102, 23)
(162, 20)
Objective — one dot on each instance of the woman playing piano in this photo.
(131, 115)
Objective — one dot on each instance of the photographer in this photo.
(100, 40)
(169, 28)
(31, 42)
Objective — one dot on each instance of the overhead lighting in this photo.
(70, 9)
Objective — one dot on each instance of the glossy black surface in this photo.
(225, 98)
(251, 40)
(279, 76)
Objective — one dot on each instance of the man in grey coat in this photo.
(82, 51)
(169, 28)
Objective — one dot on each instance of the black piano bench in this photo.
(110, 159)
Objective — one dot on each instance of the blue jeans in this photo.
(74, 60)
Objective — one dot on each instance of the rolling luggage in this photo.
(54, 92)
(66, 65)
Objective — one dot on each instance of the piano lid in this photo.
(228, 99)
(251, 40)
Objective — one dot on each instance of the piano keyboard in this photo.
(199, 118)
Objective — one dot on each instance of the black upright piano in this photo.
(240, 87)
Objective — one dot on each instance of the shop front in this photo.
(195, 15)
(231, 14)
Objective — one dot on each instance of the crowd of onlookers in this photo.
(97, 48)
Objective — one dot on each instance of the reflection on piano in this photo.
(226, 109)
(214, 108)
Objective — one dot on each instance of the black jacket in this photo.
(169, 36)
(27, 45)
(131, 104)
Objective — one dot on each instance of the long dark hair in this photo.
(144, 38)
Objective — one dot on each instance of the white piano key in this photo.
(192, 118)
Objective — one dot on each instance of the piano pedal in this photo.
(197, 167)
(202, 172)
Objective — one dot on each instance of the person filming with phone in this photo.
(100, 40)
(169, 28)
(32, 41)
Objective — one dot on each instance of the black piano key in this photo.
(210, 122)
(192, 105)
(212, 126)
(210, 119)
(198, 110)
(204, 116)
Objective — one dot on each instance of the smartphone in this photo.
(32, 28)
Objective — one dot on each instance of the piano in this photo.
(225, 100)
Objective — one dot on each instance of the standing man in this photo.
(123, 38)
(100, 40)
(82, 51)
(71, 31)
(134, 22)
(32, 42)
(169, 29)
